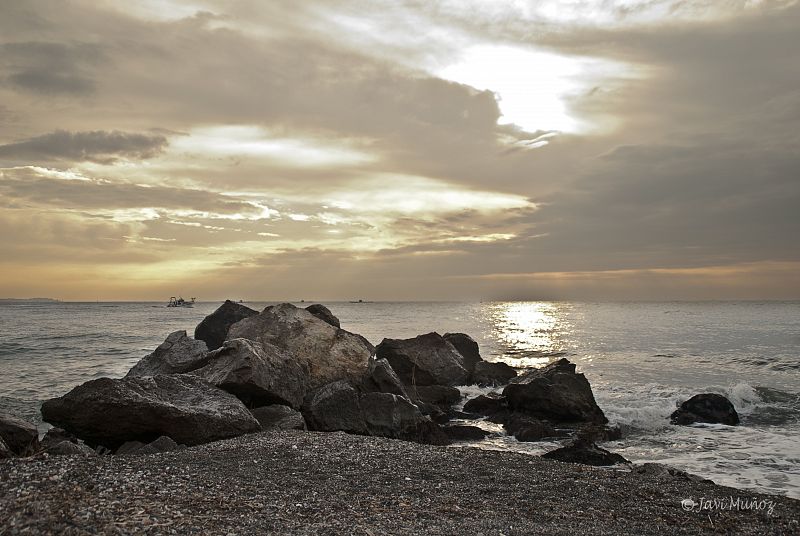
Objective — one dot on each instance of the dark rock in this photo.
(213, 330)
(54, 436)
(485, 404)
(585, 453)
(467, 347)
(487, 373)
(424, 360)
(340, 407)
(21, 437)
(5, 451)
(381, 378)
(68, 448)
(177, 354)
(279, 417)
(258, 374)
(464, 432)
(162, 444)
(329, 353)
(324, 314)
(525, 428)
(706, 407)
(186, 408)
(596, 433)
(129, 447)
(555, 393)
(437, 395)
(667, 472)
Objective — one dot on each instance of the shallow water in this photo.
(641, 359)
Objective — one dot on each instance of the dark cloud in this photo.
(50, 68)
(95, 146)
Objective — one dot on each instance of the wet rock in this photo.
(213, 330)
(381, 378)
(554, 393)
(596, 433)
(68, 448)
(424, 360)
(110, 412)
(706, 407)
(586, 453)
(437, 395)
(20, 437)
(329, 353)
(525, 428)
(485, 404)
(258, 374)
(467, 347)
(324, 314)
(279, 417)
(493, 374)
(177, 354)
(464, 432)
(5, 451)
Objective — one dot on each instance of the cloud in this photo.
(50, 68)
(94, 146)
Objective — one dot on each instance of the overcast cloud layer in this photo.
(336, 149)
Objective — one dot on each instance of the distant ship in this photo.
(180, 302)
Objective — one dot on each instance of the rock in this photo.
(706, 407)
(162, 444)
(381, 378)
(329, 353)
(525, 428)
(129, 447)
(485, 404)
(213, 329)
(464, 432)
(437, 395)
(596, 433)
(467, 347)
(279, 418)
(258, 374)
(21, 437)
(555, 393)
(424, 360)
(494, 374)
(177, 354)
(54, 436)
(5, 451)
(338, 406)
(585, 453)
(186, 408)
(667, 472)
(68, 448)
(324, 314)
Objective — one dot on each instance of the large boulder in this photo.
(324, 314)
(213, 329)
(706, 407)
(492, 374)
(554, 393)
(585, 453)
(467, 347)
(339, 406)
(525, 428)
(177, 354)
(20, 437)
(109, 412)
(424, 360)
(442, 396)
(258, 374)
(278, 417)
(5, 451)
(329, 353)
(381, 378)
(485, 404)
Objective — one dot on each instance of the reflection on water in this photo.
(529, 334)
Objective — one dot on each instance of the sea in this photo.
(642, 359)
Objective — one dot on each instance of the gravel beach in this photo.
(335, 483)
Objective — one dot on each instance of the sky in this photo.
(400, 150)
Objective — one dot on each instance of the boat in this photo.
(180, 302)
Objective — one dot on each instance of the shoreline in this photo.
(332, 482)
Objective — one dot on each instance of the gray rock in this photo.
(68, 448)
(54, 436)
(324, 314)
(554, 393)
(467, 347)
(706, 407)
(485, 404)
(585, 453)
(437, 395)
(129, 447)
(213, 330)
(525, 428)
(279, 417)
(177, 354)
(329, 353)
(335, 407)
(493, 374)
(259, 374)
(424, 360)
(21, 437)
(162, 444)
(381, 378)
(186, 408)
(5, 451)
